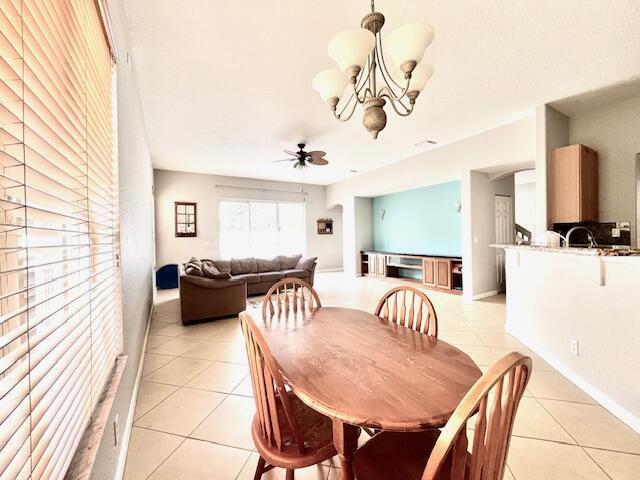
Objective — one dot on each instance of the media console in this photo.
(442, 273)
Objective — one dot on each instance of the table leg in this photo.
(345, 449)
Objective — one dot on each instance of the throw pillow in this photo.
(288, 262)
(194, 269)
(265, 265)
(223, 265)
(306, 263)
(210, 271)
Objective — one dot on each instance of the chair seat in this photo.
(316, 430)
(391, 455)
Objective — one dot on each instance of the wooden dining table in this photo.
(359, 369)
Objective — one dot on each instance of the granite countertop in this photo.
(602, 252)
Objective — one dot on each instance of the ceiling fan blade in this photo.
(286, 160)
(316, 154)
(318, 161)
(289, 152)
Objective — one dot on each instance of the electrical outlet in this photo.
(116, 430)
(615, 232)
(623, 225)
(575, 347)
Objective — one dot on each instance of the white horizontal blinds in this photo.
(103, 194)
(15, 408)
(58, 276)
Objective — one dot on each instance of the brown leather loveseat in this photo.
(219, 288)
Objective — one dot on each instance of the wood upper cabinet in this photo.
(573, 185)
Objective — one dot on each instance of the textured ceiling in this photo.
(226, 85)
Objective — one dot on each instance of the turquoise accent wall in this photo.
(421, 221)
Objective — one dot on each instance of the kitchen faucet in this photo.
(590, 237)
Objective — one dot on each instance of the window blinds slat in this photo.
(60, 301)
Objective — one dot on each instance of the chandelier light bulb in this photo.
(419, 77)
(351, 49)
(406, 44)
(330, 84)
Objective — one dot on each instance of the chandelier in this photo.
(361, 57)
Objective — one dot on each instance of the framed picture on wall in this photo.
(186, 219)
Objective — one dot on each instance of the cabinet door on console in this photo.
(443, 271)
(381, 265)
(429, 271)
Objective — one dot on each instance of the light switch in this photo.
(475, 239)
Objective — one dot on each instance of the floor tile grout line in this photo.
(188, 437)
(597, 463)
(166, 458)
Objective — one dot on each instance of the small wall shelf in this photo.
(325, 226)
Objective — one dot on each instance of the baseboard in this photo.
(624, 415)
(128, 426)
(327, 270)
(480, 296)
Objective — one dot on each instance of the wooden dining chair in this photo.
(409, 307)
(448, 454)
(286, 432)
(289, 294)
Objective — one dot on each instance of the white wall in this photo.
(552, 131)
(364, 227)
(614, 131)
(555, 297)
(207, 190)
(483, 232)
(137, 249)
(525, 199)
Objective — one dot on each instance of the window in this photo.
(186, 219)
(261, 229)
(60, 302)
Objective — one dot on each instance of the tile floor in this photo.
(194, 407)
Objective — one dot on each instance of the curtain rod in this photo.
(262, 189)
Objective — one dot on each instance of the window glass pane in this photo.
(234, 229)
(180, 208)
(292, 233)
(261, 229)
(264, 229)
(190, 209)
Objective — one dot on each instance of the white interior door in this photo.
(504, 232)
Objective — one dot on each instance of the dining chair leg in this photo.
(290, 474)
(259, 469)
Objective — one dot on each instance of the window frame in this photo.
(194, 223)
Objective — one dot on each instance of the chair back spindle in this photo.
(409, 307)
(289, 295)
(494, 400)
(273, 403)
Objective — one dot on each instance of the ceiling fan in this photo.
(302, 158)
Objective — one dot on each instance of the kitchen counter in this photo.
(577, 308)
(602, 252)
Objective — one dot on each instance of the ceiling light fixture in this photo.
(360, 55)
